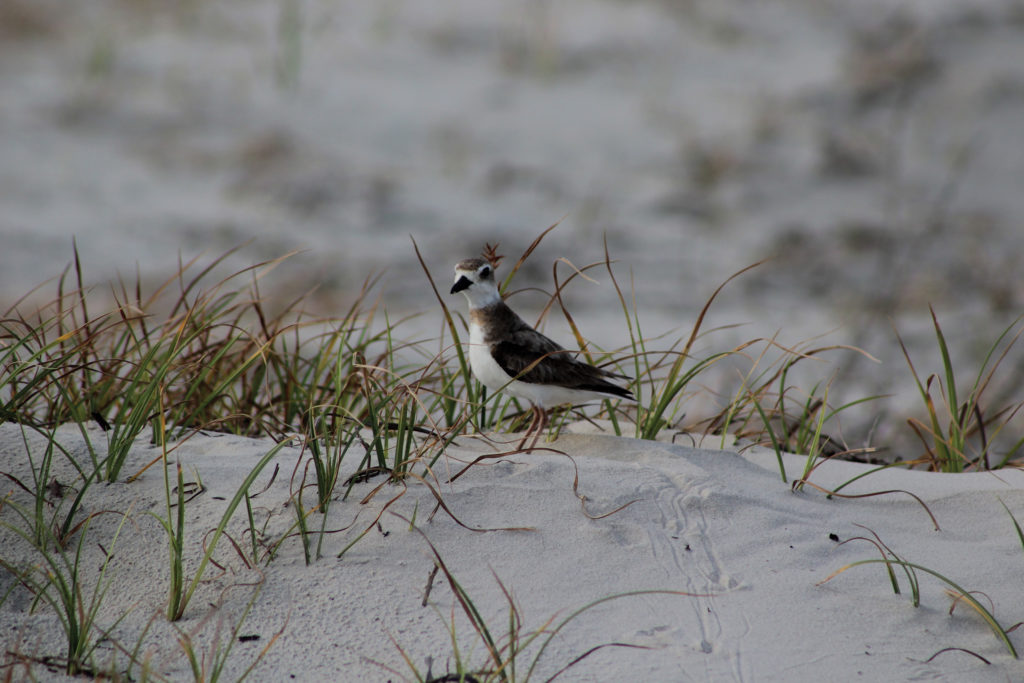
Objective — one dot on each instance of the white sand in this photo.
(706, 522)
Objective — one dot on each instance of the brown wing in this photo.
(531, 357)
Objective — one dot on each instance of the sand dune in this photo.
(717, 525)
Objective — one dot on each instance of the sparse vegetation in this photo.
(515, 654)
(892, 561)
(193, 356)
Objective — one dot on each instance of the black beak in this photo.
(461, 284)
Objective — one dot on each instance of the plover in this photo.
(506, 354)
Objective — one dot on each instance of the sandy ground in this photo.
(717, 525)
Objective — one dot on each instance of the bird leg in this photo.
(529, 428)
(538, 425)
(542, 425)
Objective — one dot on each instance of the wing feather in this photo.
(527, 355)
(532, 357)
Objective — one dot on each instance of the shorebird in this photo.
(508, 355)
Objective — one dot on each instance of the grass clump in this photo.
(959, 432)
(181, 589)
(515, 654)
(210, 355)
(891, 561)
(207, 665)
(55, 575)
(201, 353)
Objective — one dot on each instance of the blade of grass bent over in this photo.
(998, 630)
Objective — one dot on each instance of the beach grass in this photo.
(891, 561)
(513, 651)
(960, 429)
(54, 574)
(201, 352)
(207, 664)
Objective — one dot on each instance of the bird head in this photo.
(475, 278)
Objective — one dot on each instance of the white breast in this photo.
(485, 368)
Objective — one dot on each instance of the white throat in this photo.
(482, 294)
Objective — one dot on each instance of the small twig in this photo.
(430, 584)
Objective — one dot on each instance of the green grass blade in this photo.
(997, 629)
(225, 518)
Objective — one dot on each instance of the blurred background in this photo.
(871, 150)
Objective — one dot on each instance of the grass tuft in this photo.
(959, 433)
(891, 560)
(515, 649)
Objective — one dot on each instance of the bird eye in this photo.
(485, 271)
